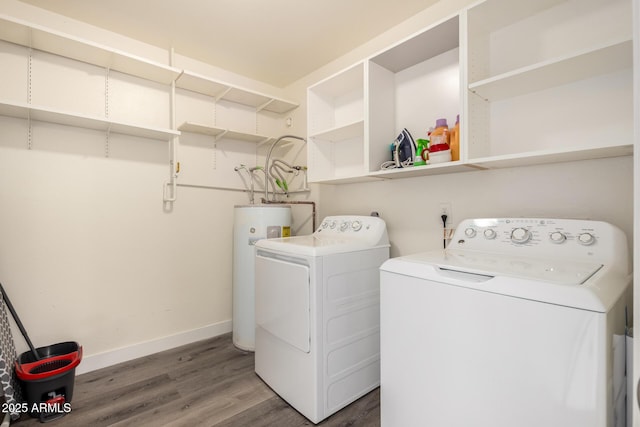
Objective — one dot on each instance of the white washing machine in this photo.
(318, 313)
(519, 322)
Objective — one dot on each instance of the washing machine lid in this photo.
(560, 272)
(562, 282)
(312, 245)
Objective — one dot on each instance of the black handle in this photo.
(18, 322)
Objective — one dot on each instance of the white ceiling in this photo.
(274, 41)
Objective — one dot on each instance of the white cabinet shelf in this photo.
(201, 129)
(341, 133)
(435, 169)
(553, 156)
(224, 91)
(52, 41)
(50, 115)
(588, 63)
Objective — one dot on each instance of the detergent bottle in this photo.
(454, 141)
(439, 150)
(440, 134)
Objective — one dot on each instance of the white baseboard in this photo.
(113, 357)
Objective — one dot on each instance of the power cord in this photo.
(444, 226)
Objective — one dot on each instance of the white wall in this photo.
(596, 189)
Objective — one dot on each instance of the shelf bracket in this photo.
(265, 105)
(179, 75)
(219, 136)
(264, 141)
(223, 94)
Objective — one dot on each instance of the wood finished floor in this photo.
(208, 383)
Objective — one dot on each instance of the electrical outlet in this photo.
(445, 209)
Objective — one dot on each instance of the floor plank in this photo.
(208, 383)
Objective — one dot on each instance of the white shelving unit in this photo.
(236, 122)
(336, 127)
(549, 85)
(534, 82)
(354, 115)
(40, 38)
(220, 90)
(411, 85)
(37, 37)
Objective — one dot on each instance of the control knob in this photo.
(344, 226)
(356, 225)
(586, 239)
(520, 235)
(557, 237)
(490, 234)
(470, 232)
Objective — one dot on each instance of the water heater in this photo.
(251, 223)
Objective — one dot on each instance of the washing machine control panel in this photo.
(367, 228)
(572, 238)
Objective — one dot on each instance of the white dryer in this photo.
(519, 322)
(318, 313)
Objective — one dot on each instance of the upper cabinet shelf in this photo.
(224, 91)
(584, 64)
(341, 133)
(37, 37)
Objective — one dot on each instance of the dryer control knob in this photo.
(586, 239)
(356, 225)
(344, 226)
(490, 234)
(520, 235)
(470, 232)
(557, 237)
(332, 225)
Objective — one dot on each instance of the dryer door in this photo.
(282, 299)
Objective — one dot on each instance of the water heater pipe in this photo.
(297, 202)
